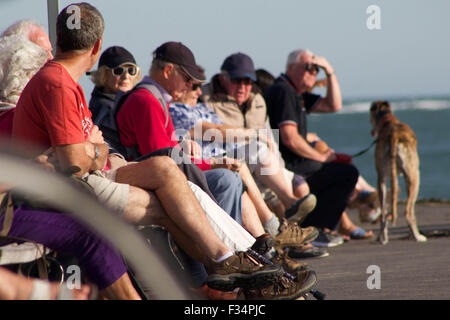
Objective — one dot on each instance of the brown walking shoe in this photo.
(291, 235)
(263, 243)
(285, 289)
(241, 270)
(289, 265)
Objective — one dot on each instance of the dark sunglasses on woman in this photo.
(118, 71)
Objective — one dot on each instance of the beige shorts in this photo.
(112, 194)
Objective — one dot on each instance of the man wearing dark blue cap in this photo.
(229, 94)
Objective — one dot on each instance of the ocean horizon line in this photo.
(395, 98)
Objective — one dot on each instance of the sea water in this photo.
(348, 131)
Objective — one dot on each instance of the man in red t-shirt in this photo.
(52, 112)
(143, 120)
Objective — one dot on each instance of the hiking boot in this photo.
(285, 289)
(206, 293)
(289, 265)
(241, 270)
(291, 235)
(301, 208)
(263, 243)
(327, 239)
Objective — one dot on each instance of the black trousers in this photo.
(332, 184)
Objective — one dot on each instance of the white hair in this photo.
(23, 28)
(20, 59)
(295, 56)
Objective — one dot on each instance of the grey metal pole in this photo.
(52, 14)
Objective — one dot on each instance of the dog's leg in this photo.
(412, 182)
(382, 192)
(394, 181)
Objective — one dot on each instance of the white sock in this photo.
(270, 254)
(225, 256)
(272, 226)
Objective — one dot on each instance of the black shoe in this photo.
(327, 239)
(308, 252)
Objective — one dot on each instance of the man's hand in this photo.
(116, 161)
(266, 140)
(226, 163)
(96, 136)
(48, 160)
(329, 155)
(323, 63)
(191, 148)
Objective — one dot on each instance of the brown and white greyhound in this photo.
(395, 153)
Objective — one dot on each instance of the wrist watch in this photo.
(97, 152)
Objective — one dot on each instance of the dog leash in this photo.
(365, 150)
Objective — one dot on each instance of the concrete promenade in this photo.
(408, 270)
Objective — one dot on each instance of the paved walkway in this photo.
(408, 270)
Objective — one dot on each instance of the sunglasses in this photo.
(118, 71)
(195, 86)
(245, 81)
(187, 78)
(310, 67)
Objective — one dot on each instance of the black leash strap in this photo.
(365, 150)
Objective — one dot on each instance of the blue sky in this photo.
(408, 56)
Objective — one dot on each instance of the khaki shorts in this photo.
(112, 194)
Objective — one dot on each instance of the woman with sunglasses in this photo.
(117, 72)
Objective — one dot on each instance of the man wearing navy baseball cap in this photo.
(230, 95)
(142, 119)
(239, 65)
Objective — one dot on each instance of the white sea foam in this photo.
(407, 104)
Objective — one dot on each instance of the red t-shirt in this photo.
(52, 110)
(141, 122)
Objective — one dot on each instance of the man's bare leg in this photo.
(270, 173)
(302, 190)
(144, 208)
(250, 219)
(121, 289)
(162, 176)
(264, 213)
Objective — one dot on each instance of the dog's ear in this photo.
(374, 106)
(381, 109)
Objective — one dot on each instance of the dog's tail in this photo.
(394, 181)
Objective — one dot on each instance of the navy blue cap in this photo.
(115, 56)
(178, 53)
(239, 65)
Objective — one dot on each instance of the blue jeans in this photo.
(226, 186)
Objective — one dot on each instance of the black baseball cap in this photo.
(115, 56)
(239, 65)
(178, 53)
